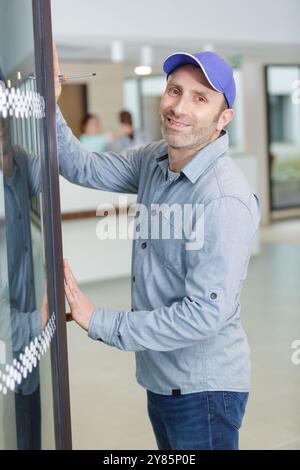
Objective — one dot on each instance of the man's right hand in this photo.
(56, 70)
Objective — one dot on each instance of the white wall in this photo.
(104, 91)
(92, 259)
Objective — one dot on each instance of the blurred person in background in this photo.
(135, 139)
(94, 139)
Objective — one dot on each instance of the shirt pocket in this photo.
(170, 250)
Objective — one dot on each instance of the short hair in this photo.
(224, 105)
(125, 117)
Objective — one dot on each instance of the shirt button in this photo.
(20, 216)
(144, 245)
(133, 278)
(26, 248)
(213, 296)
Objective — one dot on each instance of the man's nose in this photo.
(180, 107)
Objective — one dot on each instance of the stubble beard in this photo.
(198, 138)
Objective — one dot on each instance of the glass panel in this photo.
(26, 402)
(284, 136)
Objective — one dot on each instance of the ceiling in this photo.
(234, 28)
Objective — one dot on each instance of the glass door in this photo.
(34, 395)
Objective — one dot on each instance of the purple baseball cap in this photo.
(218, 73)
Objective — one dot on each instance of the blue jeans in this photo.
(197, 421)
(28, 420)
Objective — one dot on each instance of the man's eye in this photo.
(201, 99)
(173, 91)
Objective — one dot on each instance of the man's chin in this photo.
(177, 143)
(173, 140)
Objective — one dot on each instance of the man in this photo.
(192, 354)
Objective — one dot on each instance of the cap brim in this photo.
(177, 59)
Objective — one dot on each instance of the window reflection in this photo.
(21, 182)
(25, 329)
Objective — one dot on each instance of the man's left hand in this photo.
(81, 308)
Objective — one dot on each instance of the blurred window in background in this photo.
(283, 136)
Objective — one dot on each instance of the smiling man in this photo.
(192, 354)
(192, 112)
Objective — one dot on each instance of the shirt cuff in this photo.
(35, 324)
(102, 323)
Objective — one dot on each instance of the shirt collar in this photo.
(163, 163)
(201, 161)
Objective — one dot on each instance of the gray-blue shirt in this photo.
(185, 325)
(24, 322)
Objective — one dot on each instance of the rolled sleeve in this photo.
(213, 278)
(35, 324)
(104, 325)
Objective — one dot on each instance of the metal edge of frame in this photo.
(52, 223)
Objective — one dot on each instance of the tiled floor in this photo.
(109, 408)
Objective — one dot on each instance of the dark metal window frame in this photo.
(272, 208)
(52, 222)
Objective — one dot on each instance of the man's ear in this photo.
(225, 118)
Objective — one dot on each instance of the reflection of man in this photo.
(192, 354)
(21, 182)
